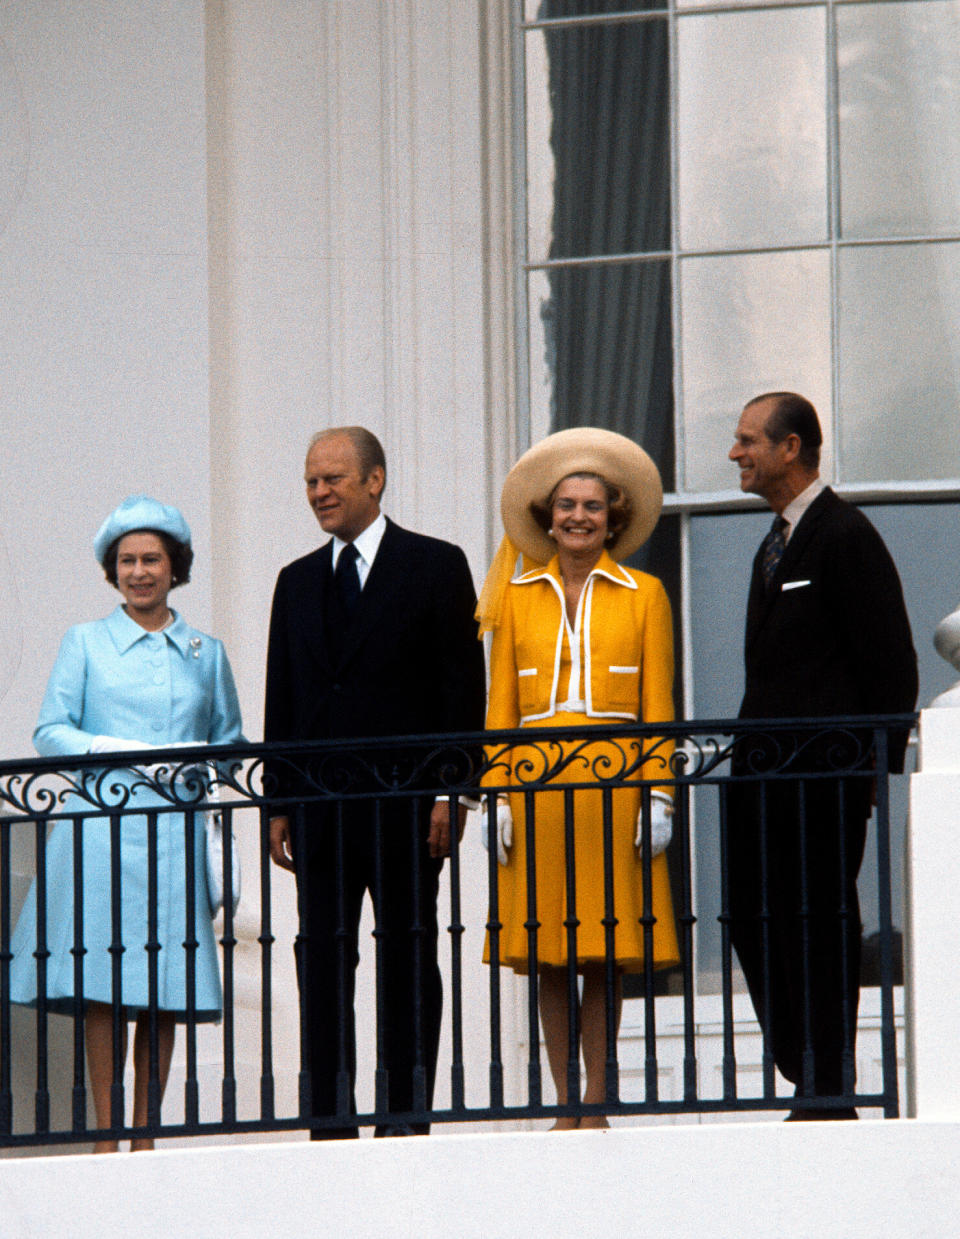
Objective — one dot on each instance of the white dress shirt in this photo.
(796, 507)
(367, 544)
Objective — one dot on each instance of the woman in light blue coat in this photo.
(139, 678)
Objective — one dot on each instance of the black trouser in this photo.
(339, 848)
(795, 923)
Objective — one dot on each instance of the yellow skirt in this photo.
(551, 904)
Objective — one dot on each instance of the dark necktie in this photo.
(774, 545)
(347, 579)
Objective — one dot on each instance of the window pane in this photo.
(930, 592)
(721, 558)
(751, 323)
(752, 129)
(598, 166)
(541, 10)
(542, 360)
(601, 353)
(899, 110)
(899, 362)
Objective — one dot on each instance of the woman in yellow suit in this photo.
(580, 640)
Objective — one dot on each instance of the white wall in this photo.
(222, 227)
(103, 326)
(103, 318)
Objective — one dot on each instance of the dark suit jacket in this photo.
(410, 663)
(837, 639)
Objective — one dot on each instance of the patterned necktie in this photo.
(774, 544)
(347, 579)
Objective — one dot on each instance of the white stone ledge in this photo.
(939, 743)
(739, 1181)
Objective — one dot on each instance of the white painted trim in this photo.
(932, 914)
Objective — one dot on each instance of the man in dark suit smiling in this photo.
(827, 634)
(371, 635)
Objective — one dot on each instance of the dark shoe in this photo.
(820, 1115)
(335, 1133)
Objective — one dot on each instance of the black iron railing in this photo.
(140, 805)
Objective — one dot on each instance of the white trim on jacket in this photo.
(579, 676)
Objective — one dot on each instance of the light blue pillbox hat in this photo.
(140, 512)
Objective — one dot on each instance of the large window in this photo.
(718, 200)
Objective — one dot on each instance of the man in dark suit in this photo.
(371, 635)
(827, 634)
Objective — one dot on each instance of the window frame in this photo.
(681, 499)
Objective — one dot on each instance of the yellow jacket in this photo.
(620, 649)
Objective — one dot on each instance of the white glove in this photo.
(661, 825)
(171, 771)
(504, 831)
(162, 772)
(113, 744)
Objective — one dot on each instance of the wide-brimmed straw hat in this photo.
(140, 512)
(582, 449)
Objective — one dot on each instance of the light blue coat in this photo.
(113, 678)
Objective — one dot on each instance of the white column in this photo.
(346, 262)
(932, 922)
(346, 224)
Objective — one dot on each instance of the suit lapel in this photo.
(313, 612)
(380, 592)
(762, 600)
(757, 600)
(803, 533)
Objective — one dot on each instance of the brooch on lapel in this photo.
(195, 644)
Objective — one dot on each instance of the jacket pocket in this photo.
(527, 690)
(623, 689)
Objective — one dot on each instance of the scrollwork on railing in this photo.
(27, 795)
(167, 784)
(370, 770)
(440, 765)
(698, 757)
(580, 759)
(783, 752)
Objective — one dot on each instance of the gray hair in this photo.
(368, 447)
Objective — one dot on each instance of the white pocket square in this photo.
(793, 585)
